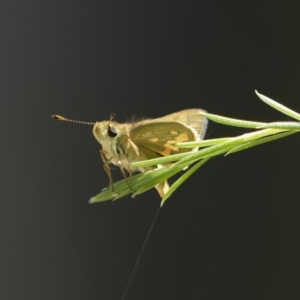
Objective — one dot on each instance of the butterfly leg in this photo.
(125, 176)
(107, 168)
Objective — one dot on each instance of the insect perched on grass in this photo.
(124, 144)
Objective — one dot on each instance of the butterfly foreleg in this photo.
(107, 168)
(124, 174)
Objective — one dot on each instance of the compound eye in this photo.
(112, 131)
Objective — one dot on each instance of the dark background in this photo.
(230, 232)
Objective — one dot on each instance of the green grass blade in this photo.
(233, 122)
(201, 144)
(176, 157)
(183, 178)
(260, 141)
(160, 160)
(153, 177)
(165, 173)
(285, 110)
(120, 189)
(282, 125)
(211, 151)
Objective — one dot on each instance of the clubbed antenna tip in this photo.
(60, 118)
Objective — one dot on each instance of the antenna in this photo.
(60, 118)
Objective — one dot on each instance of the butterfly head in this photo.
(105, 131)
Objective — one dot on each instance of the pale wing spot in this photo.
(169, 146)
(174, 132)
(182, 138)
(153, 140)
(166, 151)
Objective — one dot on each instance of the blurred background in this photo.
(232, 231)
